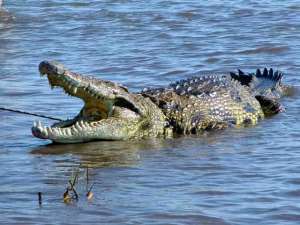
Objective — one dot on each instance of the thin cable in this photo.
(28, 113)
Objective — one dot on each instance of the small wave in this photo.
(212, 193)
(174, 72)
(212, 60)
(243, 12)
(264, 49)
(293, 193)
(287, 217)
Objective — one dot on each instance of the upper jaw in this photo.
(85, 87)
(77, 85)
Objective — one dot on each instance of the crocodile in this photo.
(191, 106)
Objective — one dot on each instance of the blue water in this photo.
(239, 176)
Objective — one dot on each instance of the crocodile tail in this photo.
(261, 75)
(244, 79)
(262, 82)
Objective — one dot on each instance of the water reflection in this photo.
(103, 154)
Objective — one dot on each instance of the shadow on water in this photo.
(102, 154)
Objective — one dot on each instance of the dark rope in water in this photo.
(28, 113)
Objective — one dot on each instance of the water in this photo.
(239, 176)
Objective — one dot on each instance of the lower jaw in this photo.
(65, 133)
(86, 135)
(73, 138)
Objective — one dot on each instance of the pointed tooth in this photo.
(74, 130)
(68, 131)
(54, 131)
(83, 125)
(59, 131)
(39, 124)
(87, 125)
(34, 124)
(64, 131)
(44, 131)
(77, 126)
(49, 130)
(75, 90)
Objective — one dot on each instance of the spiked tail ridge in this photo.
(262, 82)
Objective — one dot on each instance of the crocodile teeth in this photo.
(63, 131)
(74, 130)
(84, 125)
(49, 130)
(54, 131)
(77, 126)
(68, 131)
(81, 123)
(44, 131)
(75, 90)
(59, 131)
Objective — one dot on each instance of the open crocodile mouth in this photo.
(105, 103)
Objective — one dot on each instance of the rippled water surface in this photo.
(239, 176)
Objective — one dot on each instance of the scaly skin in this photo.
(110, 112)
(191, 106)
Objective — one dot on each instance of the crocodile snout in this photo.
(51, 67)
